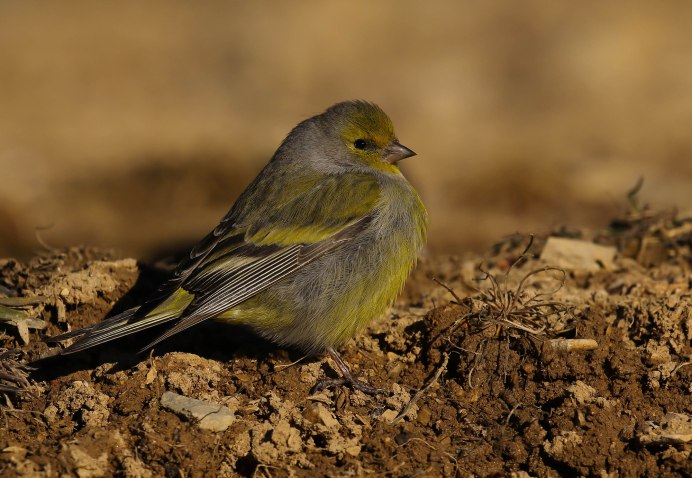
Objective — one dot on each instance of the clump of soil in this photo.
(509, 364)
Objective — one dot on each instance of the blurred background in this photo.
(135, 125)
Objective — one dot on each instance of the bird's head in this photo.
(367, 134)
(349, 135)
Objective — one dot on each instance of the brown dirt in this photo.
(497, 400)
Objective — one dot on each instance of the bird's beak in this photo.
(395, 152)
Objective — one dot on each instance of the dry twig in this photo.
(417, 396)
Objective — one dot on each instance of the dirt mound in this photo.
(572, 359)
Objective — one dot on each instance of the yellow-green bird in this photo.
(320, 243)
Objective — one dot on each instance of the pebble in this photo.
(210, 416)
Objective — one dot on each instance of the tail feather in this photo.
(103, 325)
(118, 329)
(67, 335)
(126, 323)
(118, 326)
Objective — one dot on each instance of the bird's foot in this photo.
(347, 378)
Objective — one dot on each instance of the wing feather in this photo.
(246, 286)
(269, 234)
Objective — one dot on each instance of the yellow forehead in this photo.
(368, 121)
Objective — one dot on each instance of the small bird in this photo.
(320, 243)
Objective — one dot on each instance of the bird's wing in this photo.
(264, 238)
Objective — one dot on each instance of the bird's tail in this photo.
(126, 323)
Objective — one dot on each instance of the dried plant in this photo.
(509, 312)
(14, 377)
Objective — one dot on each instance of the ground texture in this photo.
(485, 366)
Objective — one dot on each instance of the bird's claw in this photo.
(347, 378)
(352, 382)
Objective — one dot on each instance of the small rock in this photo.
(87, 466)
(81, 401)
(561, 444)
(674, 429)
(151, 375)
(582, 392)
(576, 254)
(424, 415)
(325, 416)
(210, 416)
(573, 345)
(130, 462)
(353, 450)
(656, 354)
(388, 415)
(310, 373)
(652, 251)
(287, 437)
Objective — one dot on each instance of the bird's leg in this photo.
(347, 377)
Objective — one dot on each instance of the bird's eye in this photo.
(360, 144)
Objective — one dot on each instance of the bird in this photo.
(320, 243)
